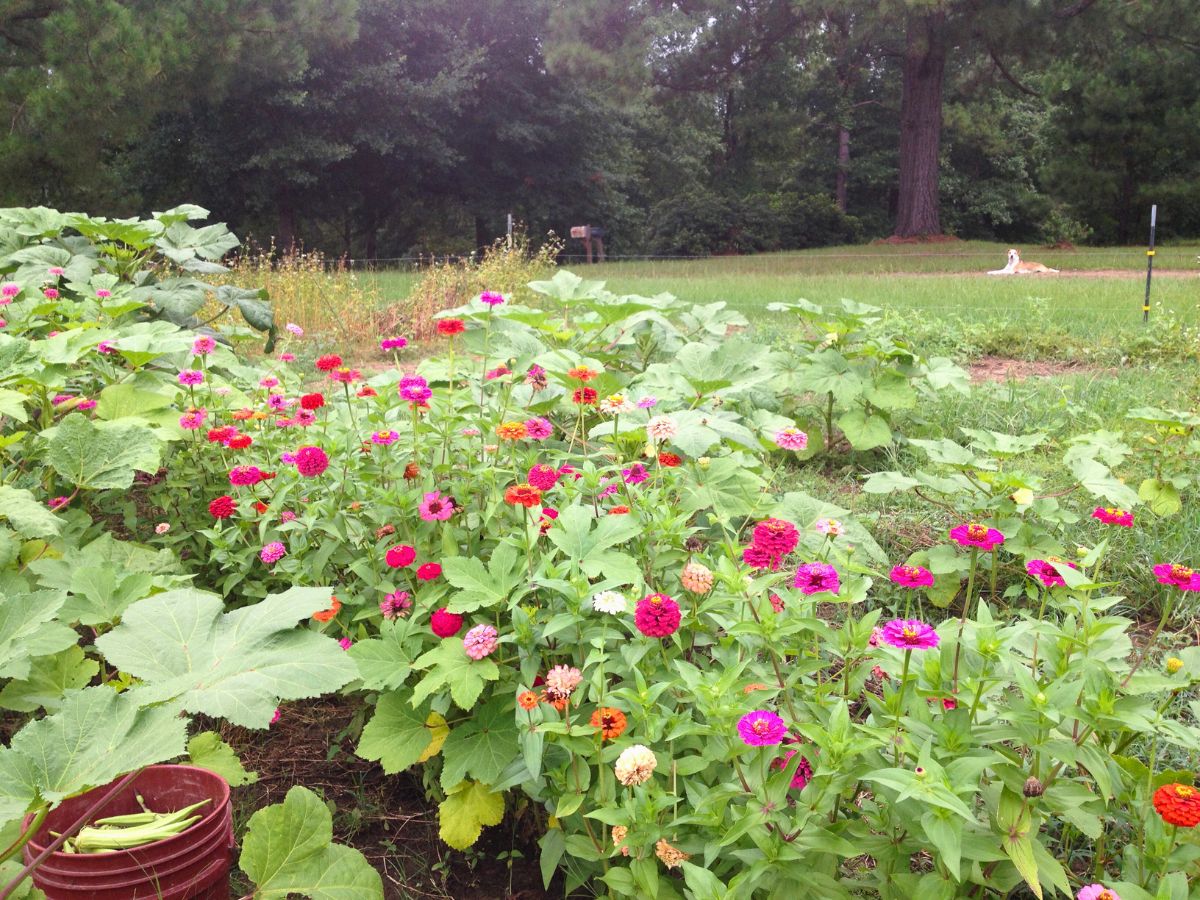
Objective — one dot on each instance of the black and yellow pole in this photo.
(1149, 263)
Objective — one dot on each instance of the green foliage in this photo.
(208, 751)
(288, 850)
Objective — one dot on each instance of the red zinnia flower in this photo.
(400, 556)
(221, 435)
(657, 615)
(524, 495)
(329, 362)
(367, 391)
(312, 401)
(260, 507)
(1178, 804)
(412, 471)
(585, 396)
(240, 442)
(451, 326)
(222, 508)
(445, 624)
(619, 511)
(325, 615)
(429, 571)
(670, 460)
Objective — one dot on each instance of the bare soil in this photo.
(1000, 369)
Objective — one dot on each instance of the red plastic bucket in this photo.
(192, 865)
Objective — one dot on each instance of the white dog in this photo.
(1016, 267)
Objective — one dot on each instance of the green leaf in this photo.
(481, 747)
(12, 404)
(180, 242)
(397, 735)
(208, 751)
(100, 594)
(467, 808)
(479, 586)
(865, 432)
(450, 667)
(236, 665)
(385, 662)
(891, 390)
(119, 401)
(587, 539)
(30, 518)
(288, 849)
(28, 630)
(1162, 496)
(888, 483)
(254, 304)
(1099, 481)
(177, 298)
(48, 680)
(95, 737)
(1013, 819)
(101, 455)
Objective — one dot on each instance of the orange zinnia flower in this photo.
(510, 431)
(619, 511)
(1178, 804)
(325, 615)
(523, 495)
(611, 722)
(583, 373)
(527, 700)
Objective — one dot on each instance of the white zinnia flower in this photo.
(661, 428)
(609, 602)
(635, 765)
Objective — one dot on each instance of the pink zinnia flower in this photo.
(385, 437)
(429, 571)
(190, 420)
(758, 558)
(279, 402)
(241, 476)
(561, 682)
(543, 477)
(272, 552)
(791, 439)
(635, 474)
(58, 502)
(657, 615)
(414, 389)
(56, 271)
(345, 643)
(761, 728)
(311, 461)
(828, 527)
(345, 375)
(275, 716)
(393, 343)
(973, 534)
(103, 294)
(1178, 576)
(395, 605)
(912, 576)
(268, 382)
(803, 771)
(287, 357)
(647, 403)
(85, 404)
(294, 329)
(105, 347)
(1044, 571)
(816, 577)
(400, 556)
(203, 345)
(470, 432)
(50, 293)
(444, 623)
(191, 377)
(538, 429)
(480, 641)
(1097, 892)
(491, 298)
(1111, 516)
(910, 634)
(498, 372)
(778, 537)
(10, 289)
(436, 508)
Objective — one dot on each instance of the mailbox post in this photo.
(593, 239)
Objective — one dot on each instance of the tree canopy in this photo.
(391, 127)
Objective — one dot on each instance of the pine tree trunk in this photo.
(921, 126)
(842, 185)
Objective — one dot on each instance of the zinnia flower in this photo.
(162, 527)
(670, 460)
(973, 534)
(660, 429)
(542, 476)
(429, 571)
(828, 527)
(327, 615)
(1178, 804)
(911, 576)
(791, 439)
(294, 329)
(1177, 575)
(803, 771)
(527, 700)
(609, 602)
(1044, 571)
(58, 502)
(910, 634)
(242, 476)
(384, 438)
(491, 298)
(450, 326)
(190, 420)
(222, 507)
(395, 604)
(584, 396)
(761, 728)
(498, 372)
(635, 474)
(10, 289)
(444, 623)
(657, 616)
(190, 377)
(538, 429)
(561, 682)
(635, 765)
(400, 556)
(816, 577)
(1112, 516)
(269, 382)
(777, 537)
(671, 857)
(696, 578)
(647, 403)
(1097, 892)
(329, 362)
(436, 508)
(616, 405)
(393, 343)
(311, 461)
(510, 431)
(582, 373)
(272, 552)
(480, 641)
(312, 401)
(611, 722)
(523, 495)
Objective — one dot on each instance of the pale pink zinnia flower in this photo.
(660, 429)
(635, 765)
(272, 552)
(828, 527)
(480, 641)
(791, 439)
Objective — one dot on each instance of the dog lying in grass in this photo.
(1016, 267)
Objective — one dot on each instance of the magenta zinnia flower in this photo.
(201, 346)
(973, 534)
(393, 343)
(657, 615)
(542, 476)
(395, 605)
(1044, 571)
(190, 420)
(910, 634)
(761, 728)
(813, 578)
(385, 437)
(272, 552)
(803, 771)
(241, 476)
(538, 429)
(436, 508)
(189, 377)
(491, 298)
(1097, 892)
(912, 576)
(1111, 516)
(635, 474)
(311, 461)
(777, 537)
(480, 641)
(1178, 576)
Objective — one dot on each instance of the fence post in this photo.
(1149, 264)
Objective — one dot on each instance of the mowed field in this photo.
(1099, 290)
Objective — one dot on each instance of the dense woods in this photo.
(383, 128)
